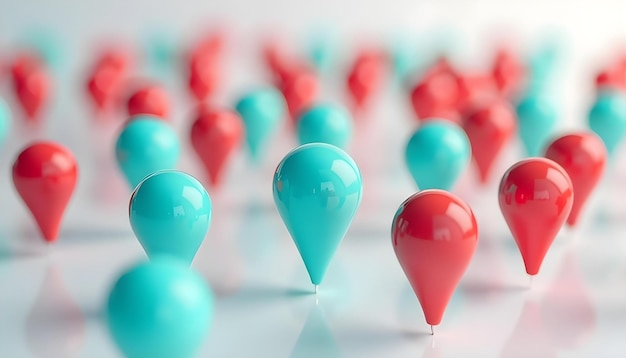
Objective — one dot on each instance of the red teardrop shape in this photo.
(151, 100)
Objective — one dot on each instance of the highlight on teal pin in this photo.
(5, 121)
(607, 118)
(325, 123)
(317, 191)
(537, 119)
(170, 213)
(146, 145)
(437, 153)
(159, 309)
(262, 111)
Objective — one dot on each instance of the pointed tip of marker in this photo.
(315, 287)
(432, 330)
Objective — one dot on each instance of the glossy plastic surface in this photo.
(160, 309)
(262, 111)
(45, 175)
(170, 213)
(583, 156)
(489, 128)
(536, 197)
(437, 153)
(325, 123)
(607, 118)
(434, 235)
(215, 136)
(146, 145)
(149, 100)
(317, 191)
(537, 120)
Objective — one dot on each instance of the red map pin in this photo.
(31, 85)
(105, 81)
(536, 197)
(434, 235)
(44, 174)
(215, 136)
(583, 156)
(489, 127)
(366, 77)
(150, 99)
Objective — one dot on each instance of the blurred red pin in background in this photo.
(508, 73)
(204, 66)
(536, 197)
(437, 94)
(106, 78)
(365, 77)
(434, 235)
(31, 85)
(489, 127)
(583, 156)
(44, 175)
(149, 99)
(215, 136)
(300, 88)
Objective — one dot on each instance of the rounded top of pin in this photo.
(170, 213)
(158, 309)
(44, 158)
(325, 123)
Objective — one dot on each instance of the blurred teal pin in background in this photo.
(159, 309)
(146, 144)
(5, 121)
(170, 213)
(325, 123)
(537, 120)
(437, 153)
(262, 111)
(317, 191)
(607, 118)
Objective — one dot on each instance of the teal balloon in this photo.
(325, 123)
(160, 309)
(317, 191)
(437, 153)
(537, 119)
(146, 145)
(5, 120)
(262, 111)
(607, 118)
(170, 213)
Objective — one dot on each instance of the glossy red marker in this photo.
(536, 197)
(31, 85)
(215, 136)
(44, 175)
(489, 127)
(434, 235)
(583, 156)
(152, 100)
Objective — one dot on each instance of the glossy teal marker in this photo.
(537, 119)
(170, 213)
(146, 145)
(317, 190)
(160, 309)
(5, 120)
(262, 111)
(437, 153)
(325, 123)
(607, 118)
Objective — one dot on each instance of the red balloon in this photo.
(536, 197)
(152, 100)
(434, 235)
(44, 174)
(31, 85)
(583, 156)
(365, 77)
(215, 135)
(489, 127)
